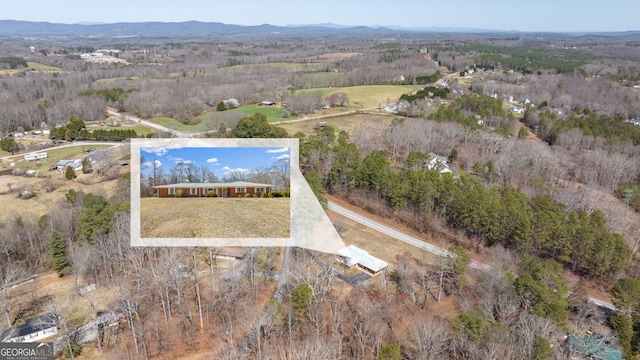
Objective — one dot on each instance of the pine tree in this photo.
(70, 174)
(301, 298)
(86, 166)
(58, 247)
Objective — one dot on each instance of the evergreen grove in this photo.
(578, 240)
(76, 130)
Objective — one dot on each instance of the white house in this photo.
(33, 329)
(354, 256)
(517, 110)
(37, 156)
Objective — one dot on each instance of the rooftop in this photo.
(212, 185)
(356, 256)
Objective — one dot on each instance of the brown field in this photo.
(43, 202)
(377, 244)
(347, 123)
(333, 56)
(214, 217)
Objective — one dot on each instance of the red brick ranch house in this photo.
(231, 189)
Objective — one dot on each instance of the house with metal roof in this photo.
(590, 347)
(33, 329)
(352, 255)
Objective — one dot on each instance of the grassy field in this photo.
(53, 156)
(293, 66)
(370, 95)
(33, 66)
(272, 113)
(347, 123)
(43, 202)
(210, 117)
(177, 125)
(377, 244)
(42, 67)
(214, 217)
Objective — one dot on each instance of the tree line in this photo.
(76, 130)
(539, 226)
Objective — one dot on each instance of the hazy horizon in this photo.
(500, 15)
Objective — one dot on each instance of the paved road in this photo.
(397, 234)
(150, 124)
(422, 244)
(77, 143)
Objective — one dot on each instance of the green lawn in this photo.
(177, 125)
(272, 113)
(33, 66)
(53, 156)
(42, 67)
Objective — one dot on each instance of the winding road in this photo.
(422, 244)
(150, 124)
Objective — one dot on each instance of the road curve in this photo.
(424, 245)
(149, 124)
(397, 234)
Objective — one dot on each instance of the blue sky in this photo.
(220, 161)
(539, 15)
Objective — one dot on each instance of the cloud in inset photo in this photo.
(280, 150)
(281, 157)
(150, 163)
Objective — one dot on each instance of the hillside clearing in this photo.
(368, 95)
(347, 123)
(44, 201)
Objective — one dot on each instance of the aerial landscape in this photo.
(480, 170)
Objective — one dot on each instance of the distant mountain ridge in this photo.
(17, 28)
(198, 29)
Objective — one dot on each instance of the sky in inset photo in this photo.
(222, 161)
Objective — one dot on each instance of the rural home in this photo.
(37, 156)
(61, 166)
(228, 253)
(590, 347)
(231, 189)
(33, 329)
(354, 256)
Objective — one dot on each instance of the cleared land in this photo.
(53, 156)
(347, 123)
(214, 217)
(44, 201)
(272, 113)
(141, 130)
(32, 66)
(368, 95)
(377, 244)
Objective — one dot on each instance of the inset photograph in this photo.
(215, 192)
